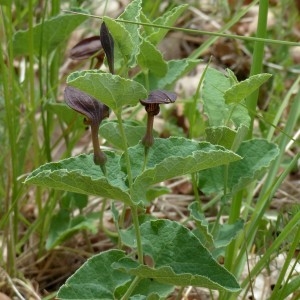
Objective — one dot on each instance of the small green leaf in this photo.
(132, 13)
(227, 232)
(47, 35)
(167, 19)
(151, 59)
(219, 113)
(172, 157)
(134, 131)
(156, 191)
(179, 258)
(112, 90)
(257, 157)
(63, 226)
(243, 89)
(79, 174)
(95, 279)
(176, 69)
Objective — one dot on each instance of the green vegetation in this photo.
(92, 201)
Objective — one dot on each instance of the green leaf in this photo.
(202, 232)
(176, 69)
(95, 279)
(152, 289)
(243, 89)
(47, 35)
(172, 157)
(121, 36)
(156, 191)
(151, 59)
(179, 258)
(214, 85)
(257, 157)
(134, 132)
(112, 90)
(227, 232)
(221, 135)
(167, 19)
(146, 289)
(132, 13)
(219, 113)
(239, 115)
(79, 174)
(226, 137)
(147, 30)
(63, 226)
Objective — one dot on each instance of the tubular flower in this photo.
(94, 112)
(151, 104)
(108, 46)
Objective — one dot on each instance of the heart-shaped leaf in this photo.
(96, 279)
(172, 157)
(112, 90)
(79, 174)
(178, 257)
(257, 156)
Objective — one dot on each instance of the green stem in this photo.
(231, 250)
(125, 146)
(132, 286)
(134, 210)
(258, 56)
(102, 227)
(136, 225)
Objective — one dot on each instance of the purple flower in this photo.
(151, 104)
(94, 112)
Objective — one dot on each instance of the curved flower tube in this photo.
(94, 112)
(151, 104)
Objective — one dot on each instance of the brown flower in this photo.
(94, 112)
(151, 104)
(108, 46)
